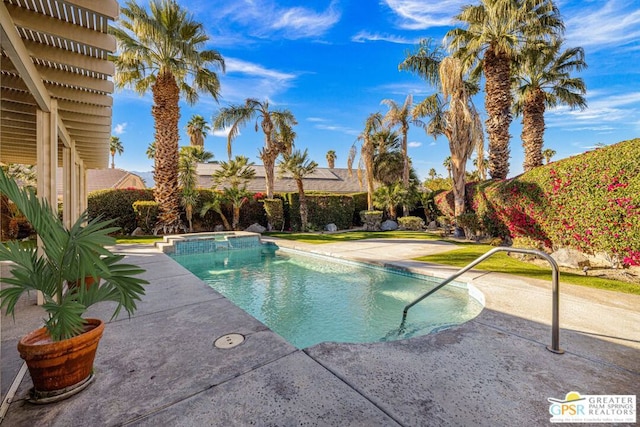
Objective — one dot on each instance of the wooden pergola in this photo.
(55, 97)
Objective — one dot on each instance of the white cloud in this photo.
(249, 80)
(221, 133)
(420, 14)
(414, 144)
(266, 19)
(119, 128)
(365, 36)
(300, 22)
(234, 65)
(602, 112)
(614, 24)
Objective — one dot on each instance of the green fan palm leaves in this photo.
(299, 166)
(275, 124)
(543, 80)
(197, 129)
(163, 51)
(67, 255)
(492, 36)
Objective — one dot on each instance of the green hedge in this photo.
(117, 205)
(589, 202)
(324, 208)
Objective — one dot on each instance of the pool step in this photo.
(184, 244)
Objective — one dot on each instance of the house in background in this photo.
(104, 179)
(336, 180)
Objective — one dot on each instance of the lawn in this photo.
(502, 263)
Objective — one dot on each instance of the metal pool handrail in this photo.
(555, 321)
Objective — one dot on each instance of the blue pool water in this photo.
(309, 299)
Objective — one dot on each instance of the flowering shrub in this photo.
(589, 202)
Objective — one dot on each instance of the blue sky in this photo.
(332, 62)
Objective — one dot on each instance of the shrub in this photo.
(274, 209)
(323, 209)
(414, 223)
(118, 205)
(470, 224)
(371, 220)
(146, 214)
(589, 202)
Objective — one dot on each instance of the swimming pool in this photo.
(308, 299)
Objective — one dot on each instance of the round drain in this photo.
(229, 341)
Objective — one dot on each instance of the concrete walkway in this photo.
(160, 367)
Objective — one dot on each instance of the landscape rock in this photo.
(331, 227)
(218, 228)
(389, 225)
(256, 228)
(567, 257)
(432, 225)
(138, 232)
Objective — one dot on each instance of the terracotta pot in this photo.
(58, 365)
(88, 282)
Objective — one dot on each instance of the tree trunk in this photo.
(367, 154)
(166, 114)
(405, 167)
(236, 217)
(458, 185)
(304, 213)
(533, 130)
(113, 161)
(498, 101)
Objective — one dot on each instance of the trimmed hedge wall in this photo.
(589, 202)
(117, 205)
(324, 208)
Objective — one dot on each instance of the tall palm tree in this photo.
(543, 80)
(402, 116)
(197, 129)
(367, 152)
(493, 34)
(456, 118)
(115, 146)
(548, 153)
(432, 174)
(276, 126)
(331, 159)
(163, 51)
(299, 166)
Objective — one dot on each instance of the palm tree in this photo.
(234, 176)
(276, 125)
(389, 196)
(115, 146)
(432, 174)
(548, 153)
(542, 80)
(331, 159)
(447, 164)
(188, 180)
(402, 117)
(494, 33)
(459, 123)
(163, 52)
(299, 166)
(367, 153)
(197, 129)
(388, 162)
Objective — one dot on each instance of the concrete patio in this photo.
(160, 367)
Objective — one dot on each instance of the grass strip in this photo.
(502, 263)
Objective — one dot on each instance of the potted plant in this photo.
(60, 355)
